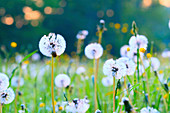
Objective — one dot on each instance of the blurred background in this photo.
(26, 21)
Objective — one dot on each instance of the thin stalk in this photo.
(135, 94)
(0, 108)
(147, 83)
(169, 101)
(78, 50)
(16, 97)
(113, 94)
(52, 83)
(95, 84)
(138, 55)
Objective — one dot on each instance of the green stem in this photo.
(52, 83)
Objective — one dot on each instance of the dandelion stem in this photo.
(16, 97)
(147, 83)
(52, 83)
(113, 94)
(95, 84)
(0, 108)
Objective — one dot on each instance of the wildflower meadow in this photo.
(47, 78)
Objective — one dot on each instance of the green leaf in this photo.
(19, 64)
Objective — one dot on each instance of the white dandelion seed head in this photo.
(107, 81)
(52, 43)
(7, 96)
(93, 51)
(36, 57)
(82, 34)
(18, 58)
(139, 41)
(97, 111)
(62, 80)
(85, 32)
(155, 63)
(169, 24)
(114, 68)
(148, 110)
(102, 21)
(132, 54)
(80, 70)
(77, 105)
(146, 63)
(123, 50)
(166, 54)
(141, 69)
(21, 111)
(130, 65)
(161, 77)
(17, 81)
(4, 82)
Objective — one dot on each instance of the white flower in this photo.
(15, 81)
(21, 111)
(139, 41)
(93, 50)
(97, 111)
(4, 82)
(78, 105)
(130, 65)
(155, 63)
(114, 68)
(62, 80)
(36, 57)
(148, 110)
(7, 96)
(82, 34)
(80, 70)
(123, 50)
(52, 45)
(107, 81)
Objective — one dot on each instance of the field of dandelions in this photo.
(97, 82)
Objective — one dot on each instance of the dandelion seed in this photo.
(4, 82)
(123, 50)
(148, 110)
(52, 45)
(18, 58)
(15, 81)
(78, 105)
(93, 51)
(82, 34)
(166, 54)
(80, 70)
(62, 80)
(7, 96)
(107, 81)
(130, 65)
(140, 41)
(113, 68)
(36, 57)
(155, 63)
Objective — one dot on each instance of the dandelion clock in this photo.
(4, 82)
(62, 80)
(93, 51)
(52, 45)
